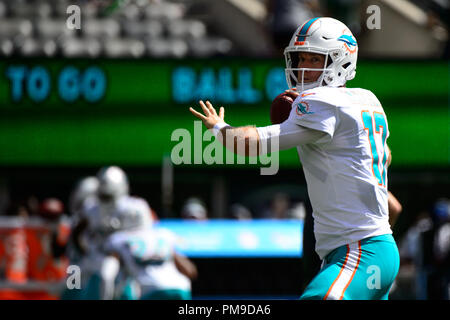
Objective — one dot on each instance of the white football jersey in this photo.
(105, 218)
(147, 254)
(346, 170)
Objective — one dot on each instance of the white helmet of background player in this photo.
(329, 37)
(113, 183)
(135, 213)
(86, 188)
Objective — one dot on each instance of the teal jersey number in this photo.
(159, 250)
(378, 126)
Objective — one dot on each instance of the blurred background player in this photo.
(441, 249)
(194, 209)
(425, 255)
(239, 212)
(99, 218)
(84, 194)
(279, 207)
(150, 267)
(341, 138)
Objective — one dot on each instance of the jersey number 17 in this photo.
(376, 123)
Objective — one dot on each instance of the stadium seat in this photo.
(52, 28)
(15, 27)
(116, 47)
(187, 28)
(6, 47)
(140, 29)
(75, 47)
(174, 48)
(100, 28)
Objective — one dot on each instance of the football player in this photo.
(150, 267)
(340, 134)
(82, 197)
(98, 220)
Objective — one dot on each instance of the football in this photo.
(281, 108)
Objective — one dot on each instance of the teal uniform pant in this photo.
(363, 270)
(170, 294)
(129, 293)
(90, 292)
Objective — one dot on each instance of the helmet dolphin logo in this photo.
(349, 40)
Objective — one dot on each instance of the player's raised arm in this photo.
(253, 141)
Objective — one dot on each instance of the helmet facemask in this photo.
(327, 76)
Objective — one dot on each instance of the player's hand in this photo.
(209, 117)
(292, 93)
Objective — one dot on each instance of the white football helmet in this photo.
(113, 182)
(86, 187)
(329, 37)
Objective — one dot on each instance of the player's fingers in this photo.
(211, 108)
(204, 108)
(291, 93)
(197, 114)
(222, 113)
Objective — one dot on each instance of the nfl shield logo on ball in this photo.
(303, 108)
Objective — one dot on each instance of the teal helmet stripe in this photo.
(304, 29)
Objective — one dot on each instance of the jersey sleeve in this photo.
(289, 135)
(311, 112)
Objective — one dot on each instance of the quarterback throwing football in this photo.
(340, 134)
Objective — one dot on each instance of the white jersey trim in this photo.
(347, 272)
